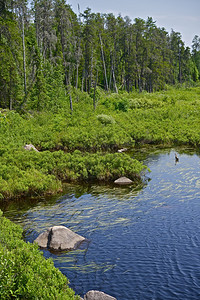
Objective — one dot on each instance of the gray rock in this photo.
(42, 239)
(59, 238)
(29, 147)
(96, 295)
(123, 181)
(122, 150)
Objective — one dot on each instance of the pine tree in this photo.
(196, 55)
(11, 69)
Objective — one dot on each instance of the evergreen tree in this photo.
(54, 50)
(11, 69)
(196, 56)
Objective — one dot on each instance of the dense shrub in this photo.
(170, 117)
(24, 272)
(34, 173)
(104, 119)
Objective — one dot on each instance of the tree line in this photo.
(47, 51)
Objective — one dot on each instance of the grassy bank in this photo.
(79, 147)
(30, 173)
(82, 146)
(24, 272)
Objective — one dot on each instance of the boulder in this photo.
(123, 181)
(29, 147)
(96, 295)
(42, 239)
(122, 150)
(59, 238)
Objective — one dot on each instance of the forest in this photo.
(47, 51)
(79, 88)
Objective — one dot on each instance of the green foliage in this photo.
(145, 102)
(95, 54)
(11, 84)
(104, 119)
(195, 74)
(33, 173)
(122, 104)
(117, 102)
(61, 61)
(168, 117)
(24, 272)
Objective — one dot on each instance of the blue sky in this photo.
(180, 15)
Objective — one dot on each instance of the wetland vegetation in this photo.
(79, 88)
(83, 146)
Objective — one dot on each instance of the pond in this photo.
(143, 243)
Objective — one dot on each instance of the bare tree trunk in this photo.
(104, 65)
(37, 26)
(24, 53)
(86, 82)
(70, 99)
(78, 60)
(91, 75)
(21, 13)
(77, 65)
(110, 80)
(10, 95)
(69, 92)
(82, 82)
(94, 98)
(115, 85)
(179, 60)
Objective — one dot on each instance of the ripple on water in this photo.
(143, 244)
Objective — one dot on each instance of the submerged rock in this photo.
(96, 295)
(29, 147)
(123, 181)
(59, 238)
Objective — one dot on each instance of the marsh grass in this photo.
(81, 146)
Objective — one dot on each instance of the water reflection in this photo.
(143, 243)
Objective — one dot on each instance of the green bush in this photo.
(24, 272)
(33, 173)
(169, 117)
(104, 119)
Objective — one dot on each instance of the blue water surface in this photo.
(142, 244)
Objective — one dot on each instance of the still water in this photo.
(143, 243)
